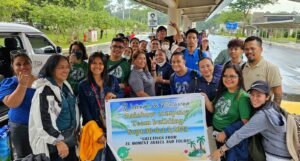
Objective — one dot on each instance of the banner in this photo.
(165, 128)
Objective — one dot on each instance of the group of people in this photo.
(45, 111)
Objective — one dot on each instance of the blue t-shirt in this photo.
(19, 114)
(183, 84)
(191, 60)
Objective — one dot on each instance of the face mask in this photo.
(126, 57)
(161, 64)
(165, 47)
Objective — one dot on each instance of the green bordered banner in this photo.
(164, 128)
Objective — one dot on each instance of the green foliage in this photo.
(8, 8)
(245, 6)
(230, 16)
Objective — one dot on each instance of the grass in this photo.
(64, 40)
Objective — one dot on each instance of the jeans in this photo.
(71, 157)
(20, 139)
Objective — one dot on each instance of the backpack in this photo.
(292, 134)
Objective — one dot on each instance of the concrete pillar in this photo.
(186, 23)
(174, 16)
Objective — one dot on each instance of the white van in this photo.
(22, 37)
(16, 37)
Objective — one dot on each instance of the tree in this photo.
(245, 7)
(192, 144)
(230, 16)
(201, 140)
(8, 8)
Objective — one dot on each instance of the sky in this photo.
(280, 6)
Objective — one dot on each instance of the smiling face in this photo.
(134, 44)
(140, 61)
(178, 63)
(258, 98)
(161, 34)
(143, 45)
(160, 57)
(230, 79)
(97, 66)
(117, 49)
(61, 71)
(253, 51)
(206, 68)
(155, 45)
(22, 65)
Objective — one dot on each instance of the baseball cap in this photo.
(205, 38)
(260, 86)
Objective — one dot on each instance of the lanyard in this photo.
(97, 98)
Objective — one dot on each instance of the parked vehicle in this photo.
(23, 37)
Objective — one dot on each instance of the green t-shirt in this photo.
(121, 72)
(78, 73)
(230, 108)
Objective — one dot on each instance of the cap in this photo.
(260, 86)
(151, 34)
(204, 38)
(174, 48)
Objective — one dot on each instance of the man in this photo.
(143, 45)
(192, 54)
(117, 66)
(184, 79)
(161, 33)
(257, 68)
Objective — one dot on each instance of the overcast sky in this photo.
(281, 5)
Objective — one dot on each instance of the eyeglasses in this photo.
(117, 47)
(17, 53)
(230, 76)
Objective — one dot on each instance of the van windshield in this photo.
(41, 45)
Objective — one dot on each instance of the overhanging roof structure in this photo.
(278, 24)
(195, 10)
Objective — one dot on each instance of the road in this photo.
(286, 59)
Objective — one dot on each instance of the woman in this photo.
(78, 65)
(16, 93)
(163, 72)
(236, 50)
(54, 115)
(134, 44)
(204, 47)
(98, 87)
(127, 54)
(140, 79)
(209, 82)
(267, 120)
(230, 106)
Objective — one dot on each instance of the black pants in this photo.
(71, 157)
(20, 139)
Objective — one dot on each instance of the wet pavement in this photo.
(287, 59)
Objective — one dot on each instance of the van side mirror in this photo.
(58, 49)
